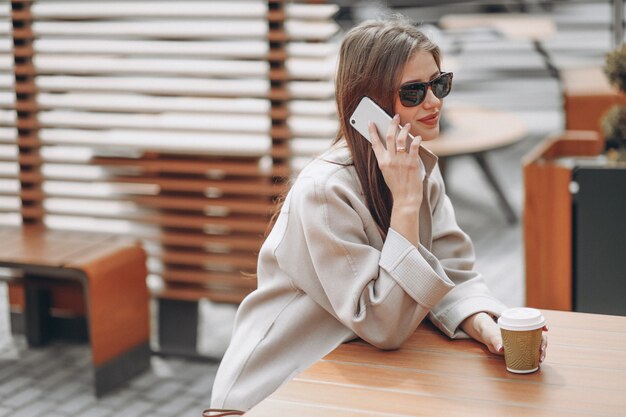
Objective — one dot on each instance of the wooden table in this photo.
(584, 375)
(519, 26)
(511, 26)
(475, 131)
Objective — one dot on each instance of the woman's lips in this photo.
(430, 120)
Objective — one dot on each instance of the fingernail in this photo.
(396, 117)
(408, 125)
(499, 347)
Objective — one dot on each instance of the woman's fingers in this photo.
(377, 145)
(544, 347)
(415, 144)
(391, 134)
(401, 140)
(496, 345)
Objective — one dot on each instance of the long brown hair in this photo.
(371, 60)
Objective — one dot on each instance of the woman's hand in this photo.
(483, 328)
(401, 169)
(400, 165)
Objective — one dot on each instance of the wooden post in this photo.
(279, 96)
(26, 105)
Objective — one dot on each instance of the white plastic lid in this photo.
(521, 318)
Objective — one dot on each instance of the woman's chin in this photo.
(429, 134)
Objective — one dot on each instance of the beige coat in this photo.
(325, 276)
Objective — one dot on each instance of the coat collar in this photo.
(429, 160)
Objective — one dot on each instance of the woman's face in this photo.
(424, 117)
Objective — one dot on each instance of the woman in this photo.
(366, 244)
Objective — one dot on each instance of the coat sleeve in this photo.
(381, 295)
(454, 250)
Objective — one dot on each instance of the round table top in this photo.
(472, 130)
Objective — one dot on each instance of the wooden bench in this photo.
(112, 275)
(548, 216)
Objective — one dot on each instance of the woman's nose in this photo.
(431, 99)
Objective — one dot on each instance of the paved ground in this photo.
(55, 381)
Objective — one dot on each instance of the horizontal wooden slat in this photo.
(228, 144)
(119, 9)
(214, 9)
(231, 241)
(255, 88)
(203, 277)
(201, 185)
(96, 64)
(157, 28)
(216, 225)
(127, 102)
(225, 187)
(209, 167)
(235, 261)
(192, 205)
(167, 121)
(249, 49)
(191, 293)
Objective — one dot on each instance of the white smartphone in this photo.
(367, 111)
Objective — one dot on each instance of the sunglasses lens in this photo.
(442, 86)
(413, 95)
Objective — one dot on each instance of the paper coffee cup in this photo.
(521, 330)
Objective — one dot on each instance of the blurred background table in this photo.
(584, 374)
(474, 131)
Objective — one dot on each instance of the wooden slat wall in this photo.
(312, 118)
(9, 168)
(171, 122)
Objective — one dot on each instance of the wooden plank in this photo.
(107, 269)
(201, 185)
(237, 261)
(215, 225)
(284, 408)
(587, 96)
(519, 392)
(399, 402)
(35, 247)
(585, 321)
(210, 167)
(548, 236)
(230, 241)
(548, 218)
(227, 295)
(203, 277)
(481, 366)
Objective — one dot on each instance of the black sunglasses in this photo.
(412, 94)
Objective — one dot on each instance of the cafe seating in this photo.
(98, 278)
